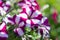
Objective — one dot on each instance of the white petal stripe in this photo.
(21, 24)
(17, 19)
(2, 26)
(23, 15)
(36, 14)
(2, 34)
(28, 23)
(43, 20)
(36, 21)
(20, 31)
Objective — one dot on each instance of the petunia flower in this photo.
(4, 7)
(3, 32)
(44, 28)
(31, 3)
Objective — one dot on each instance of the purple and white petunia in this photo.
(30, 16)
(44, 27)
(3, 32)
(4, 7)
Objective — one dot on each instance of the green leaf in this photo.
(28, 29)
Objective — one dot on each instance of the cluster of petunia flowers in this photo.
(4, 7)
(29, 16)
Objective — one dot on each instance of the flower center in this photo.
(29, 17)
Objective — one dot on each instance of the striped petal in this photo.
(45, 23)
(17, 19)
(45, 26)
(23, 17)
(36, 14)
(28, 2)
(3, 26)
(21, 3)
(32, 22)
(36, 21)
(28, 23)
(3, 35)
(19, 31)
(27, 9)
(3, 32)
(36, 5)
(7, 6)
(21, 24)
(43, 19)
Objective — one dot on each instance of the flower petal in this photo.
(19, 31)
(28, 23)
(17, 19)
(21, 24)
(23, 17)
(36, 14)
(36, 21)
(3, 31)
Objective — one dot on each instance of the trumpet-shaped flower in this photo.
(4, 7)
(3, 31)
